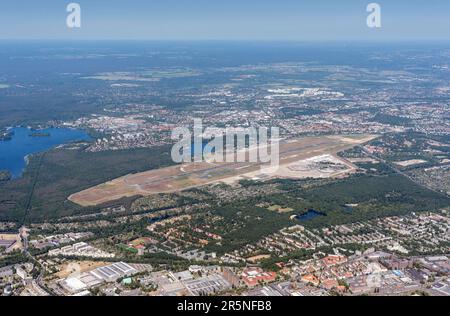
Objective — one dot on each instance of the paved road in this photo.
(23, 233)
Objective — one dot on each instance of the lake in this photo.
(311, 214)
(22, 144)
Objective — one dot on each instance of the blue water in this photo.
(14, 151)
(311, 214)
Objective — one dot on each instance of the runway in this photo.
(182, 177)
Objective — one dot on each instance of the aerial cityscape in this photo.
(353, 199)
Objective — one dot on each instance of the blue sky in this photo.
(226, 20)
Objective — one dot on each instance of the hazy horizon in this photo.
(251, 20)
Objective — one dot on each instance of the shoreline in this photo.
(43, 145)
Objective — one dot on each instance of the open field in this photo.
(181, 177)
(256, 259)
(14, 239)
(411, 162)
(8, 236)
(75, 268)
